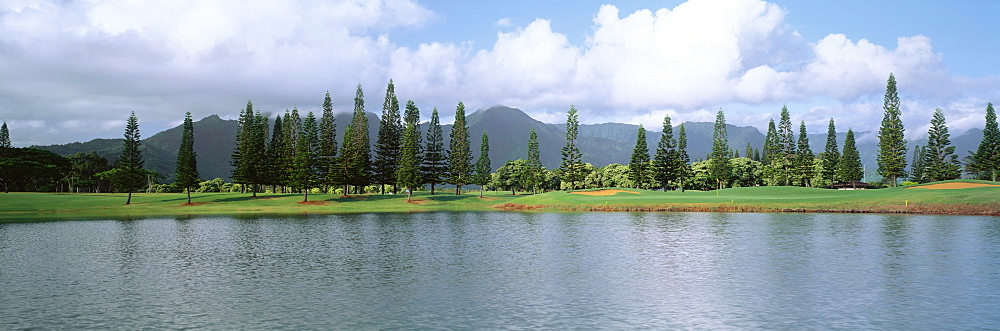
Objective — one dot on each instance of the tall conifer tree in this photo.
(665, 159)
(187, 163)
(784, 149)
(638, 165)
(356, 151)
(572, 160)
(719, 169)
(249, 164)
(891, 142)
(4, 136)
(435, 163)
(408, 174)
(483, 167)
(273, 156)
(831, 155)
(459, 151)
(940, 162)
(985, 163)
(534, 164)
(804, 159)
(770, 143)
(387, 147)
(917, 167)
(130, 172)
(304, 173)
(683, 160)
(850, 169)
(327, 156)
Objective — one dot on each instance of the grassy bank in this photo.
(29, 206)
(919, 200)
(967, 201)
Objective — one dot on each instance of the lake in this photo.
(493, 270)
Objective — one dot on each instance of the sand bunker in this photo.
(603, 192)
(952, 186)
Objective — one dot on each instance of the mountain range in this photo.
(508, 129)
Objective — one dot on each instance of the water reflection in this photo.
(504, 270)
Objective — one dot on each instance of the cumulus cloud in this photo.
(73, 69)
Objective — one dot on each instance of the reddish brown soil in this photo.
(952, 186)
(603, 192)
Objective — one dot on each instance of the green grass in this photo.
(29, 206)
(982, 200)
(972, 201)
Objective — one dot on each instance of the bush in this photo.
(909, 183)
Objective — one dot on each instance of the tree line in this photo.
(300, 154)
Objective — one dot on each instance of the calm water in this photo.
(504, 270)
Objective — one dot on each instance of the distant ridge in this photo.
(601, 144)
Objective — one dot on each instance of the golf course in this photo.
(957, 197)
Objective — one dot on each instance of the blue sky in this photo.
(75, 69)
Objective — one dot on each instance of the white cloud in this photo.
(97, 60)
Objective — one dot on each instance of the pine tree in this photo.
(831, 154)
(719, 169)
(387, 147)
(483, 167)
(248, 159)
(940, 162)
(572, 160)
(435, 163)
(187, 163)
(304, 174)
(770, 143)
(917, 167)
(534, 165)
(355, 151)
(849, 168)
(638, 165)
(892, 143)
(683, 160)
(459, 151)
(408, 174)
(985, 163)
(4, 136)
(804, 160)
(273, 154)
(749, 152)
(130, 175)
(327, 156)
(784, 152)
(665, 158)
(293, 127)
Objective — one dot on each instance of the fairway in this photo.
(979, 198)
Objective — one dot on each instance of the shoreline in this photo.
(977, 201)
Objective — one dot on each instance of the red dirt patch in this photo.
(313, 203)
(952, 186)
(603, 192)
(417, 202)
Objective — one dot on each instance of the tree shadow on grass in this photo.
(259, 197)
(357, 198)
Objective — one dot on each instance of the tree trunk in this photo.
(189, 194)
(129, 200)
(432, 188)
(409, 194)
(306, 196)
(458, 189)
(480, 191)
